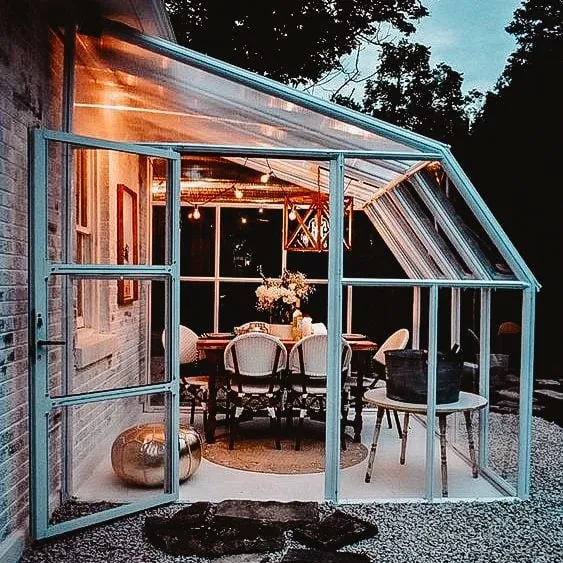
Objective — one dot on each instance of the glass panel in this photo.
(316, 305)
(107, 208)
(369, 256)
(237, 305)
(109, 453)
(197, 242)
(499, 452)
(312, 264)
(377, 312)
(196, 306)
(504, 383)
(250, 242)
(111, 350)
(472, 231)
(196, 313)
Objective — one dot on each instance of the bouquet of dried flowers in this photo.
(278, 296)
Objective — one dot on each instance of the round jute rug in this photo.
(256, 452)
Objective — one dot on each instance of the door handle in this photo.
(51, 342)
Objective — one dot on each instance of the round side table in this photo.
(467, 403)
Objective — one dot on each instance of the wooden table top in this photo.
(213, 343)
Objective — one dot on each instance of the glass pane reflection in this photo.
(250, 240)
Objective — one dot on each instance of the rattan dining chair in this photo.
(254, 363)
(307, 382)
(193, 383)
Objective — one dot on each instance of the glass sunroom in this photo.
(150, 212)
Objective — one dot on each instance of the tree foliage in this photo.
(407, 91)
(516, 150)
(289, 40)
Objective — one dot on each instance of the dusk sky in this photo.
(469, 36)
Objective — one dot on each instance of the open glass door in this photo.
(96, 452)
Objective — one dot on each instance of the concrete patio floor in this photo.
(390, 480)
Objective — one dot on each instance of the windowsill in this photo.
(92, 346)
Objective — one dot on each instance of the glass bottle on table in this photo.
(297, 322)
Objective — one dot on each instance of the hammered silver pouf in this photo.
(137, 454)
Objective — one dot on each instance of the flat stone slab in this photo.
(317, 556)
(193, 531)
(334, 531)
(284, 514)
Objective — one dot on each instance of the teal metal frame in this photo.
(40, 270)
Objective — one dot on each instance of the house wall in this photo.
(31, 92)
(30, 96)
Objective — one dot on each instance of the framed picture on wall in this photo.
(127, 244)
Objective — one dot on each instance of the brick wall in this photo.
(30, 95)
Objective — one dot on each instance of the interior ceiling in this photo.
(205, 179)
(128, 93)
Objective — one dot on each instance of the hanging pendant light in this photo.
(307, 222)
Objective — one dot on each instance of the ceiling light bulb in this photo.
(292, 215)
(265, 177)
(238, 193)
(196, 214)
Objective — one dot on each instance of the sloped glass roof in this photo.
(137, 88)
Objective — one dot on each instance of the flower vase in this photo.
(281, 331)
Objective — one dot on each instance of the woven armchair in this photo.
(255, 362)
(193, 383)
(307, 381)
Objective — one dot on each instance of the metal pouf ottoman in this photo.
(137, 454)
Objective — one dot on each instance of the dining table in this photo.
(212, 347)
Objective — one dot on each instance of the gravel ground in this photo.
(507, 532)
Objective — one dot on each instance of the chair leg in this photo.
(388, 418)
(192, 410)
(275, 422)
(302, 412)
(398, 423)
(234, 426)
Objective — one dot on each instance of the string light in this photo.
(292, 214)
(239, 194)
(265, 178)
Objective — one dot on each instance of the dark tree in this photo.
(406, 91)
(289, 40)
(516, 155)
